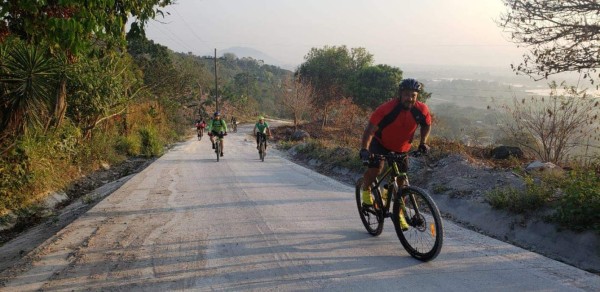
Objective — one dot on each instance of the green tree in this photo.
(75, 27)
(330, 70)
(101, 88)
(245, 84)
(375, 84)
(563, 36)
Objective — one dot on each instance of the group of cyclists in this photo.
(217, 127)
(391, 128)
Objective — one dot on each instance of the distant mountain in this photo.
(242, 52)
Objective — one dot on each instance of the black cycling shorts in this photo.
(258, 134)
(220, 135)
(377, 148)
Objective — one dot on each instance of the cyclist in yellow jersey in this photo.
(263, 129)
(217, 127)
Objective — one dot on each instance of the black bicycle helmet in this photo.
(411, 84)
(217, 114)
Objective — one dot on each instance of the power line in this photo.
(169, 34)
(189, 27)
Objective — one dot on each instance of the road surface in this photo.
(188, 222)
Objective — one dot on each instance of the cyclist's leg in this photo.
(374, 169)
(402, 167)
(257, 139)
(368, 178)
(212, 139)
(402, 181)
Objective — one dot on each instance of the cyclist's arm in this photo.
(225, 126)
(425, 130)
(368, 136)
(209, 126)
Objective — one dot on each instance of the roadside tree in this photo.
(330, 71)
(296, 98)
(373, 85)
(563, 36)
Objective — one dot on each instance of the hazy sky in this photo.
(396, 32)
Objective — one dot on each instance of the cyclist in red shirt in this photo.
(200, 125)
(391, 128)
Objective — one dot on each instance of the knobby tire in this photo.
(372, 218)
(424, 238)
(218, 148)
(262, 150)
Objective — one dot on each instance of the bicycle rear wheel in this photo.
(423, 239)
(372, 218)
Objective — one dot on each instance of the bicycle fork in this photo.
(401, 199)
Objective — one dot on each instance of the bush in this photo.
(14, 176)
(128, 145)
(332, 155)
(285, 145)
(150, 143)
(102, 148)
(38, 162)
(535, 196)
(579, 208)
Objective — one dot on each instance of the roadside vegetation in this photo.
(71, 105)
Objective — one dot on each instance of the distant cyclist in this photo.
(217, 127)
(261, 128)
(391, 128)
(200, 125)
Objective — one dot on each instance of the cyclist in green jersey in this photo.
(217, 127)
(263, 129)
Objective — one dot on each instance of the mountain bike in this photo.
(262, 145)
(424, 237)
(218, 144)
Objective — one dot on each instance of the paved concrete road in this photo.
(189, 223)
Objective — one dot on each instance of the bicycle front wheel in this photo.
(424, 235)
(218, 148)
(371, 217)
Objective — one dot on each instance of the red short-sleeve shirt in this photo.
(398, 135)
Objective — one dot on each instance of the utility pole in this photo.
(216, 85)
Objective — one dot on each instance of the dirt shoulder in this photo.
(28, 233)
